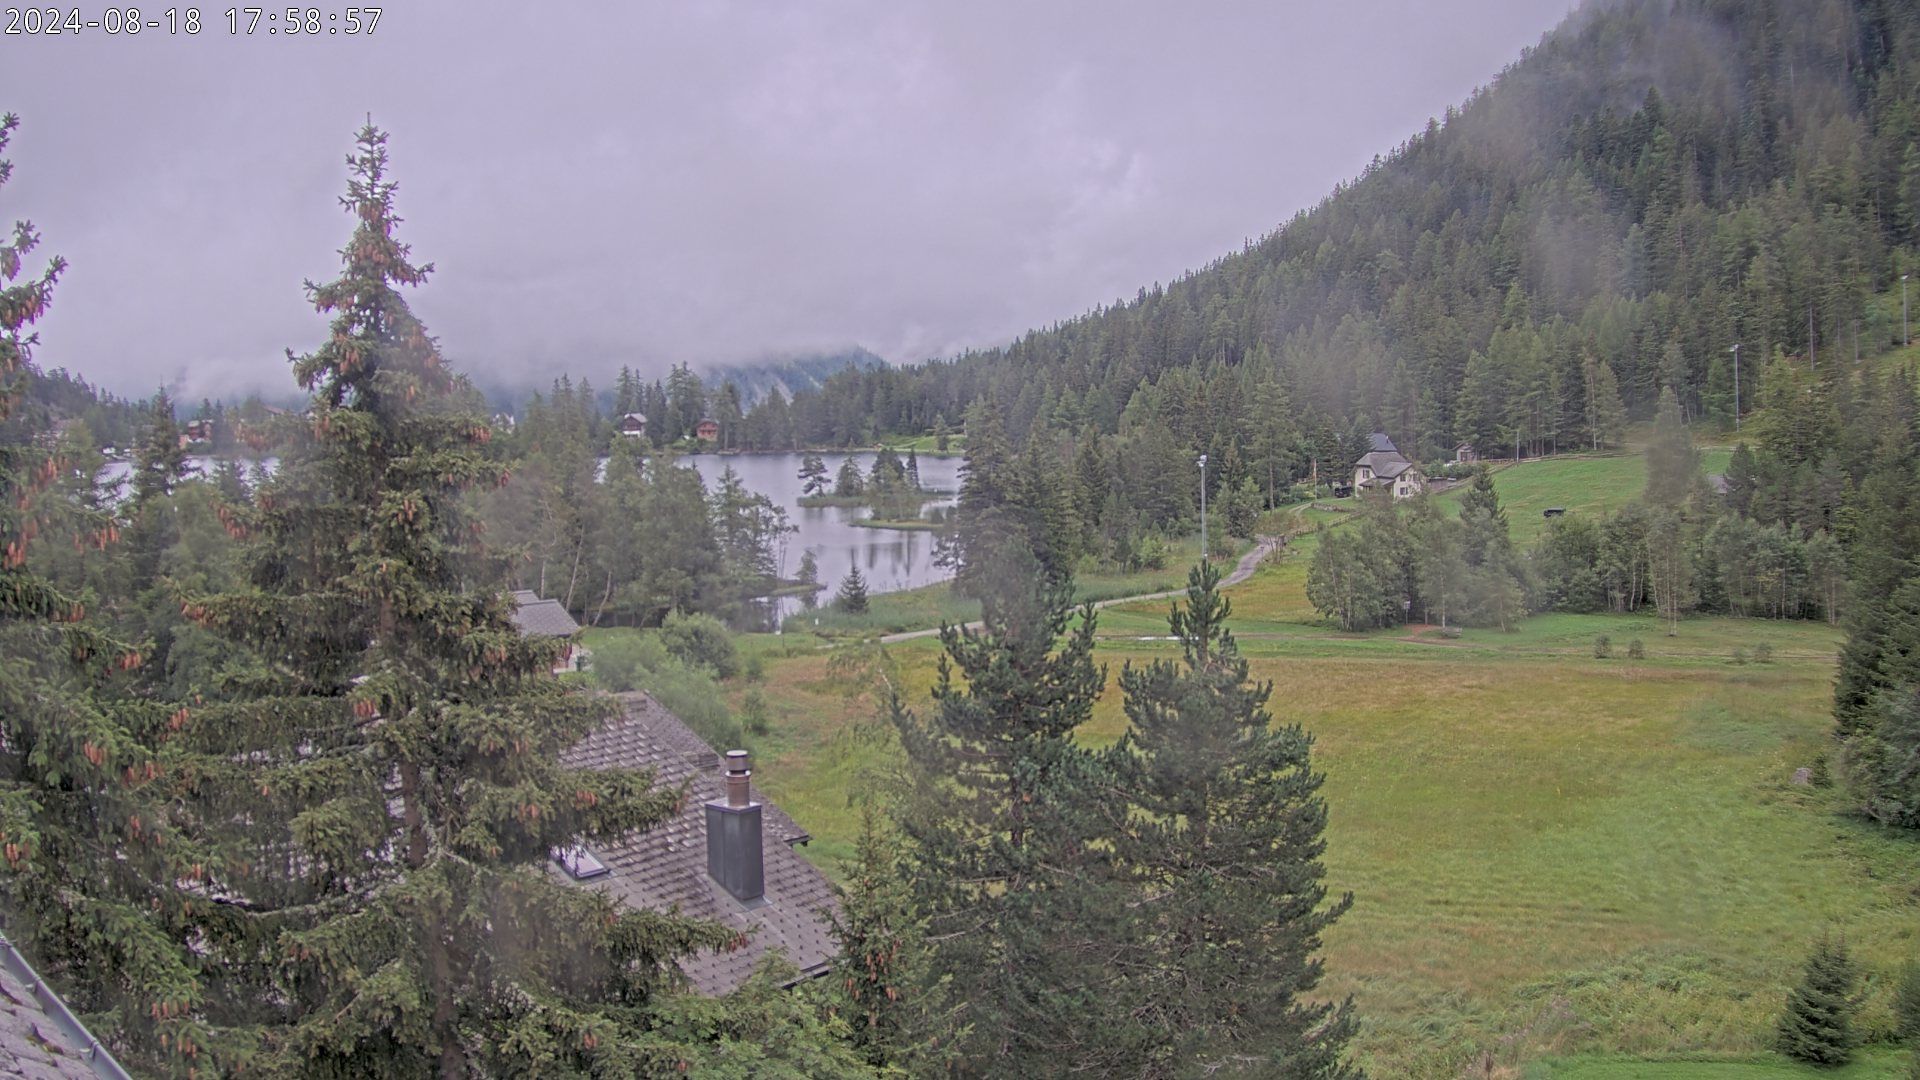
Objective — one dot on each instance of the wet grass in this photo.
(1553, 856)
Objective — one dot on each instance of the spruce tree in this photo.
(88, 894)
(1004, 820)
(852, 597)
(1673, 464)
(881, 971)
(159, 462)
(370, 824)
(1224, 852)
(1817, 1026)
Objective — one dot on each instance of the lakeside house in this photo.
(727, 855)
(633, 425)
(1384, 468)
(707, 430)
(549, 618)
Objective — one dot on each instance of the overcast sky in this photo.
(645, 183)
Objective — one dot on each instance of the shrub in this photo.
(1635, 650)
(701, 639)
(1602, 647)
(1817, 1026)
(1906, 1003)
(1739, 656)
(641, 661)
(1151, 554)
(1763, 653)
(753, 712)
(1821, 774)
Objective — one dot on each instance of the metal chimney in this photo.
(733, 835)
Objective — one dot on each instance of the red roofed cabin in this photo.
(707, 430)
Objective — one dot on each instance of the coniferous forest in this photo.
(282, 783)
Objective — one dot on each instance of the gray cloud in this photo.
(643, 184)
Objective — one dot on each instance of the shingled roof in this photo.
(1386, 466)
(39, 1036)
(542, 618)
(666, 867)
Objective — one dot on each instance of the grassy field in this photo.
(1875, 1064)
(1589, 484)
(931, 605)
(1551, 855)
(1549, 852)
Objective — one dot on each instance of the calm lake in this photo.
(891, 559)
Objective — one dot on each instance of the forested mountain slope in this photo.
(1651, 184)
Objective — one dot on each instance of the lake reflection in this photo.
(890, 559)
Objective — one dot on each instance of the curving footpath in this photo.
(1242, 570)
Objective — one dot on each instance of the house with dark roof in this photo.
(549, 618)
(39, 1036)
(1384, 468)
(728, 856)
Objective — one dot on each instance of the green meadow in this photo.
(1552, 856)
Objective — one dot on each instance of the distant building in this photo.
(1384, 468)
(1465, 454)
(549, 618)
(633, 425)
(727, 856)
(707, 430)
(502, 421)
(198, 430)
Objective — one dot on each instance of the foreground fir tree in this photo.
(79, 875)
(881, 975)
(1004, 821)
(1224, 849)
(1817, 1026)
(371, 823)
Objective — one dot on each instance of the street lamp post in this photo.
(1203, 508)
(1736, 386)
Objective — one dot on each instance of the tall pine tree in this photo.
(1224, 848)
(1002, 822)
(370, 824)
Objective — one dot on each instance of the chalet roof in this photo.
(1386, 465)
(666, 867)
(39, 1036)
(542, 618)
(1379, 443)
(633, 417)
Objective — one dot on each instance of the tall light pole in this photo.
(1203, 508)
(1736, 386)
(1906, 335)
